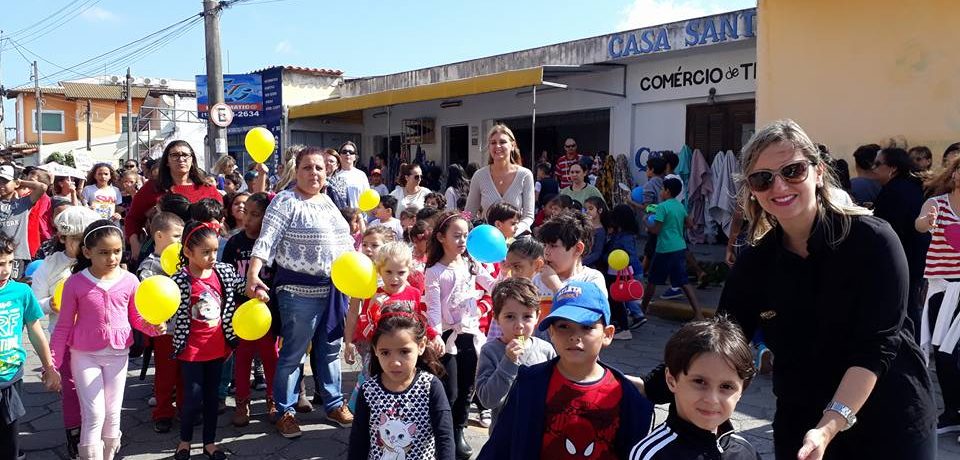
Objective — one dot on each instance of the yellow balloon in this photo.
(260, 144)
(369, 199)
(58, 296)
(618, 259)
(251, 320)
(354, 274)
(170, 258)
(157, 299)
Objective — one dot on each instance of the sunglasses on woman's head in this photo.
(794, 173)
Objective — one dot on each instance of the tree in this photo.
(64, 159)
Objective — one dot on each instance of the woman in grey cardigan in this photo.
(503, 179)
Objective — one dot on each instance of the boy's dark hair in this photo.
(164, 222)
(91, 237)
(389, 202)
(922, 150)
(234, 177)
(409, 212)
(385, 232)
(864, 156)
(564, 201)
(7, 245)
(657, 165)
(520, 289)
(206, 210)
(671, 159)
(621, 219)
(261, 199)
(527, 247)
(569, 228)
(228, 200)
(717, 335)
(501, 211)
(438, 197)
(673, 185)
(398, 319)
(175, 203)
(428, 213)
(545, 168)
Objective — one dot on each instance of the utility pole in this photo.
(129, 117)
(216, 136)
(3, 92)
(89, 126)
(38, 119)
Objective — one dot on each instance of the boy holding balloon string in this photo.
(237, 252)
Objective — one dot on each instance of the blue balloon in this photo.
(637, 194)
(651, 221)
(32, 267)
(486, 244)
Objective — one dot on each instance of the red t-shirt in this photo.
(407, 299)
(148, 197)
(206, 341)
(38, 223)
(581, 420)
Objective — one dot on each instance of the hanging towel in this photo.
(683, 170)
(700, 188)
(721, 205)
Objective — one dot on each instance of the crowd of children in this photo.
(521, 339)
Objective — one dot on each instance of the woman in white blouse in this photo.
(409, 192)
(503, 179)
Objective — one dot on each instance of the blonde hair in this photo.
(394, 251)
(289, 159)
(943, 182)
(501, 128)
(220, 167)
(761, 222)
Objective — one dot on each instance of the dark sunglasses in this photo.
(347, 152)
(794, 173)
(416, 176)
(570, 146)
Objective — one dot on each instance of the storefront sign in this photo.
(746, 71)
(735, 26)
(243, 93)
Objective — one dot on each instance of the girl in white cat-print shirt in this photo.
(402, 411)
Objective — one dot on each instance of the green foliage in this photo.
(64, 159)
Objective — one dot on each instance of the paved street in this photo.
(43, 436)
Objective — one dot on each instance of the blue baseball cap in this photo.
(581, 302)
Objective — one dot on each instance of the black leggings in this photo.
(458, 384)
(201, 382)
(946, 362)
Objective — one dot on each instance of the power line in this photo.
(49, 28)
(55, 13)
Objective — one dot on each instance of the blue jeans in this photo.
(300, 320)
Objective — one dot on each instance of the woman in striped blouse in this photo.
(504, 179)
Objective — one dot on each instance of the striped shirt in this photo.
(943, 260)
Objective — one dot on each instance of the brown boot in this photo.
(288, 426)
(241, 415)
(272, 413)
(341, 416)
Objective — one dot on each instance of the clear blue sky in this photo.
(360, 37)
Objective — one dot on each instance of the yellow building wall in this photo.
(853, 72)
(50, 102)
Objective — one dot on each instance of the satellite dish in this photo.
(146, 81)
(114, 78)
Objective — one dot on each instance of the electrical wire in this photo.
(31, 26)
(49, 28)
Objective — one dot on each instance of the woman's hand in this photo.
(256, 289)
(931, 218)
(814, 444)
(160, 329)
(731, 255)
(439, 346)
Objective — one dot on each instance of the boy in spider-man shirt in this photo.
(572, 406)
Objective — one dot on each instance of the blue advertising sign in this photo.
(243, 93)
(726, 27)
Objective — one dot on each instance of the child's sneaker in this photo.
(764, 360)
(672, 293)
(636, 321)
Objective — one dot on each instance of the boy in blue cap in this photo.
(573, 406)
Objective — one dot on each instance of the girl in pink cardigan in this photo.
(96, 314)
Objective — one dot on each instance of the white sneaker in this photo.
(623, 335)
(152, 402)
